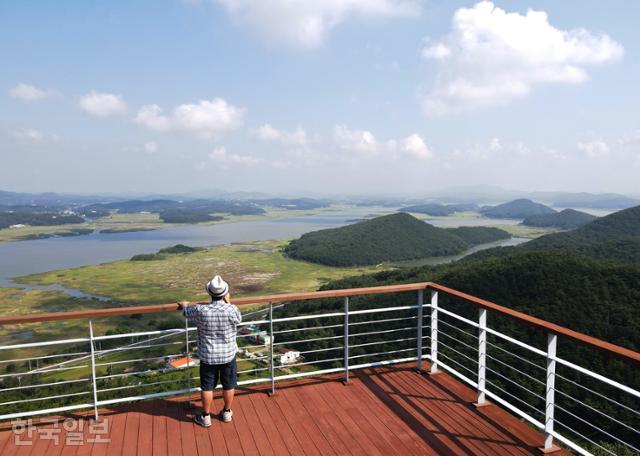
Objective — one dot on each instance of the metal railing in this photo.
(359, 332)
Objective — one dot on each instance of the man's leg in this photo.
(207, 401)
(227, 395)
(207, 385)
(229, 379)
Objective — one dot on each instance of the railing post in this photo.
(434, 332)
(482, 356)
(271, 341)
(420, 323)
(346, 339)
(552, 344)
(186, 353)
(93, 372)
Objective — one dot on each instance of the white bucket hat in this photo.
(217, 287)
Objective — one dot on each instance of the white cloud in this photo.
(102, 104)
(151, 117)
(631, 139)
(362, 141)
(268, 133)
(207, 118)
(151, 147)
(415, 147)
(365, 143)
(223, 159)
(29, 93)
(594, 149)
(33, 136)
(492, 56)
(307, 23)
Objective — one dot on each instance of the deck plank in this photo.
(254, 423)
(434, 402)
(400, 440)
(160, 436)
(332, 417)
(275, 415)
(174, 436)
(130, 439)
(309, 421)
(187, 433)
(145, 432)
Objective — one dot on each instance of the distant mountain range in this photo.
(474, 195)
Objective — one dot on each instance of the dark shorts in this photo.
(210, 374)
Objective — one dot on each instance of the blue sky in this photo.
(332, 96)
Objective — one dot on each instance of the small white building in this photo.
(17, 225)
(262, 338)
(289, 357)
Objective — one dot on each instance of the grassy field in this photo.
(251, 268)
(527, 231)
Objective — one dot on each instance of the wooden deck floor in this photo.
(383, 411)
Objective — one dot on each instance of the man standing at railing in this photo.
(217, 347)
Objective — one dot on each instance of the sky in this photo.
(327, 97)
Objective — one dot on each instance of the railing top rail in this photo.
(621, 352)
(132, 310)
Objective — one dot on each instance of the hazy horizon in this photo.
(384, 97)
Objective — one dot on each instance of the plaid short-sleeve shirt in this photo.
(216, 323)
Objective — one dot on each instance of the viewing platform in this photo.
(383, 410)
(378, 370)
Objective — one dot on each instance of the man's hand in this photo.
(182, 305)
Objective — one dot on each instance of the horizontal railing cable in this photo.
(593, 426)
(597, 411)
(517, 370)
(516, 356)
(522, 401)
(587, 439)
(602, 396)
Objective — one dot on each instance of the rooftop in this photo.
(384, 410)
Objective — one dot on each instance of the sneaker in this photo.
(226, 415)
(202, 420)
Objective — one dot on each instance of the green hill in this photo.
(392, 237)
(615, 236)
(519, 208)
(395, 237)
(567, 219)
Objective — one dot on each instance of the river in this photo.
(42, 255)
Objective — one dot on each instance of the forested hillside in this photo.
(394, 237)
(519, 208)
(475, 235)
(615, 237)
(567, 219)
